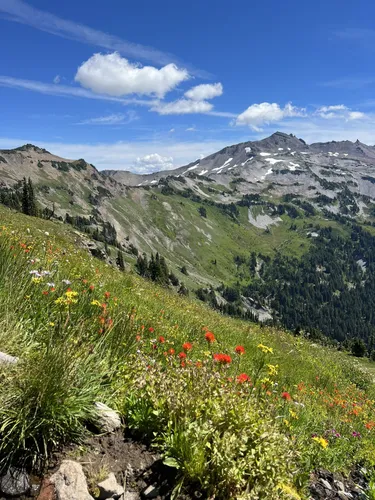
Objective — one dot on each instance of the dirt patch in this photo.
(135, 465)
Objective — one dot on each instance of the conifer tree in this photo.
(120, 261)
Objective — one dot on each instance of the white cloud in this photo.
(172, 130)
(339, 111)
(114, 119)
(336, 107)
(114, 75)
(57, 79)
(191, 129)
(23, 13)
(182, 107)
(264, 113)
(356, 115)
(204, 91)
(153, 163)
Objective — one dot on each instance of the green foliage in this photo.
(221, 442)
(358, 348)
(28, 198)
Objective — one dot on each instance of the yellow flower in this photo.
(320, 440)
(96, 303)
(286, 422)
(293, 414)
(272, 370)
(289, 490)
(36, 280)
(70, 295)
(265, 349)
(52, 323)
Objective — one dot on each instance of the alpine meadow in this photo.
(187, 251)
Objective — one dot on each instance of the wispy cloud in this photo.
(350, 83)
(21, 12)
(114, 119)
(363, 36)
(66, 91)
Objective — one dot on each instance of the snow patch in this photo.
(225, 164)
(244, 163)
(265, 154)
(191, 168)
(153, 182)
(293, 153)
(292, 166)
(269, 172)
(280, 149)
(247, 150)
(203, 172)
(304, 152)
(273, 161)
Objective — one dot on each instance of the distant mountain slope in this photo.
(227, 222)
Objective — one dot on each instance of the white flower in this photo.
(67, 282)
(46, 233)
(52, 285)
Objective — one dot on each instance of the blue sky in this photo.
(149, 85)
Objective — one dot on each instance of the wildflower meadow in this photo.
(239, 410)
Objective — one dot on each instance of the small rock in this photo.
(70, 482)
(150, 492)
(325, 483)
(130, 495)
(47, 491)
(109, 488)
(344, 495)
(340, 485)
(15, 482)
(107, 419)
(6, 359)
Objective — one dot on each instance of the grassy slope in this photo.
(319, 381)
(172, 226)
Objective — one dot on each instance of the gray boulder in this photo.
(15, 482)
(109, 488)
(70, 482)
(6, 359)
(107, 420)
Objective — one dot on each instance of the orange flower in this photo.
(182, 355)
(107, 295)
(223, 359)
(138, 338)
(161, 339)
(286, 396)
(240, 350)
(172, 351)
(210, 337)
(187, 346)
(198, 364)
(243, 377)
(151, 330)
